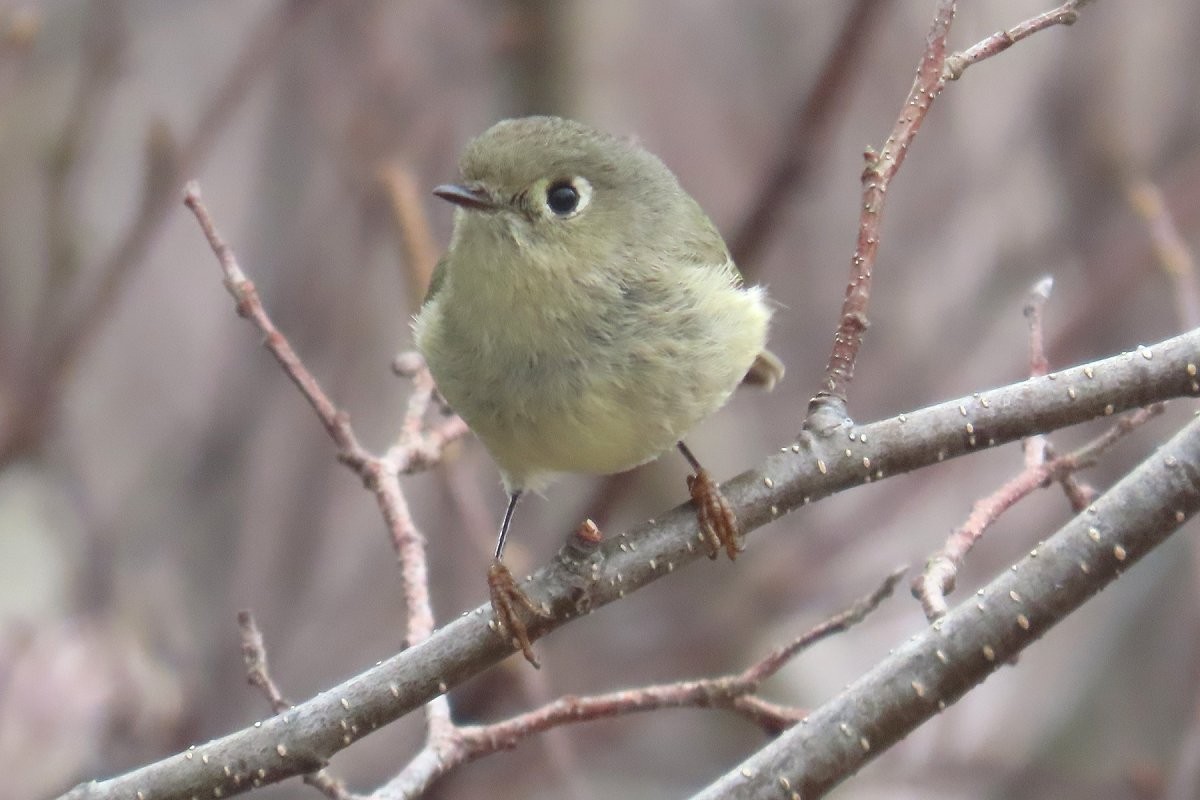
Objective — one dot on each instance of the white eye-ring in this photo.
(567, 197)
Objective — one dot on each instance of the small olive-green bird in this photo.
(587, 314)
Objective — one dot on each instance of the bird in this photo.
(586, 315)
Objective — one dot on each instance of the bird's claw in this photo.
(507, 602)
(718, 524)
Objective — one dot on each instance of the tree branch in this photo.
(303, 739)
(939, 665)
(731, 692)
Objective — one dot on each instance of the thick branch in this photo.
(302, 740)
(939, 665)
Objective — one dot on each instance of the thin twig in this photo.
(380, 475)
(734, 692)
(1039, 294)
(104, 40)
(881, 167)
(942, 567)
(827, 410)
(1066, 14)
(254, 655)
(245, 295)
(1035, 305)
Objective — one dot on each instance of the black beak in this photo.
(473, 197)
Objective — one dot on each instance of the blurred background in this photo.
(158, 472)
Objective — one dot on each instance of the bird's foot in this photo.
(718, 524)
(507, 603)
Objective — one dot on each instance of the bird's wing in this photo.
(436, 279)
(766, 371)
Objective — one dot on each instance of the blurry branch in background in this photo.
(85, 295)
(828, 408)
(411, 227)
(104, 43)
(534, 38)
(1170, 248)
(807, 134)
(19, 29)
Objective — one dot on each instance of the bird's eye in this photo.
(562, 198)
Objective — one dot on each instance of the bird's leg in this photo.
(718, 524)
(507, 598)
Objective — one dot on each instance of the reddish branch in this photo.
(736, 693)
(254, 656)
(416, 449)
(828, 408)
(877, 176)
(1066, 14)
(941, 569)
(1041, 468)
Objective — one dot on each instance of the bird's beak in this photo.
(470, 197)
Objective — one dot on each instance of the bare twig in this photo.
(420, 446)
(1039, 365)
(381, 475)
(827, 410)
(244, 293)
(940, 664)
(811, 469)
(254, 655)
(731, 692)
(1066, 14)
(1035, 446)
(942, 567)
